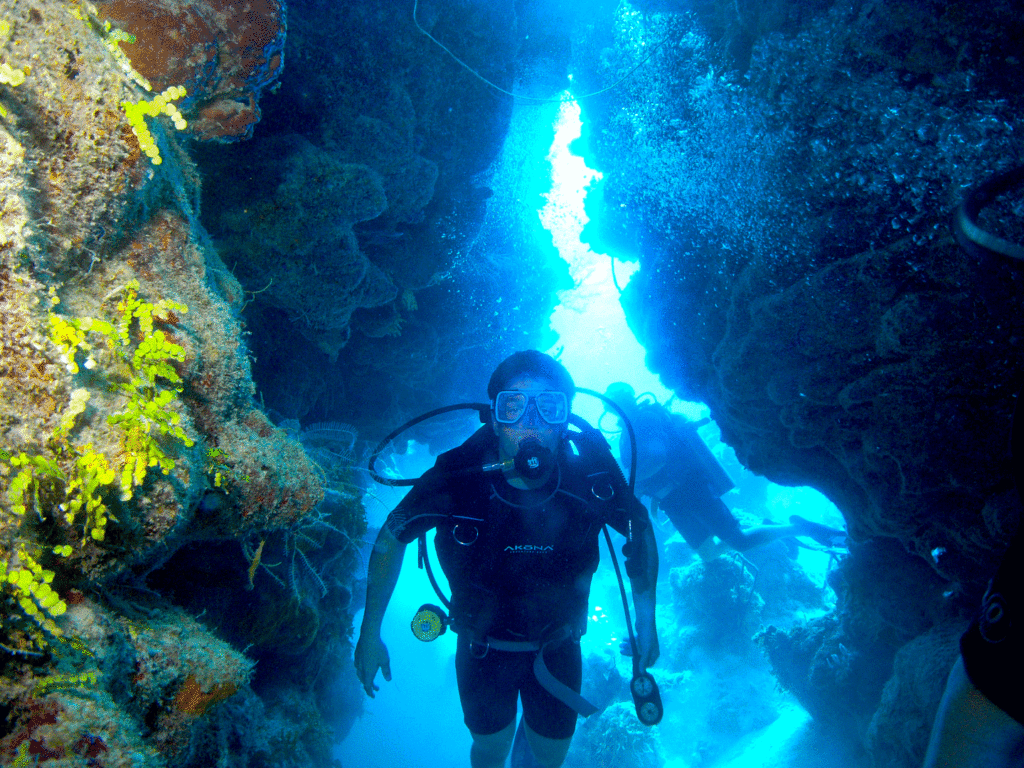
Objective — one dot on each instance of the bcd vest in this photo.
(522, 566)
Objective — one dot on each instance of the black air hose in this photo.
(971, 236)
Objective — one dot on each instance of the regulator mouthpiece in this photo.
(533, 460)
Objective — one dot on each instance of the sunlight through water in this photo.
(595, 344)
(598, 348)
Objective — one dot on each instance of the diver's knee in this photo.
(490, 750)
(550, 753)
(709, 549)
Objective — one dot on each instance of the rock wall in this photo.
(787, 178)
(365, 222)
(238, 243)
(129, 434)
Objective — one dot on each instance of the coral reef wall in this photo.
(787, 174)
(799, 212)
(130, 439)
(238, 243)
(357, 218)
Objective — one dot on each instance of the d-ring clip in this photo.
(603, 489)
(472, 534)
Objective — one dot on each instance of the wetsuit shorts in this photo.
(490, 687)
(993, 646)
(698, 515)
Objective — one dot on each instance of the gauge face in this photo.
(642, 686)
(650, 713)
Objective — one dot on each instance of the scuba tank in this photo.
(702, 458)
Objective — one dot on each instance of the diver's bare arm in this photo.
(970, 731)
(370, 653)
(644, 603)
(381, 578)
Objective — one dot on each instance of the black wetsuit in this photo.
(519, 564)
(993, 646)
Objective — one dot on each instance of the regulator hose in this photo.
(971, 236)
(482, 408)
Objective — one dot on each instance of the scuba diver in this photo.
(980, 719)
(678, 472)
(518, 510)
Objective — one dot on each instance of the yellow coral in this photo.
(85, 492)
(85, 476)
(152, 356)
(141, 449)
(79, 400)
(11, 76)
(69, 338)
(133, 308)
(8, 74)
(63, 682)
(31, 585)
(138, 111)
(26, 480)
(149, 412)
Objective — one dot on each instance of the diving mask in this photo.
(511, 405)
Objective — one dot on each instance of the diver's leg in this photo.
(711, 518)
(549, 722)
(490, 751)
(827, 537)
(711, 548)
(690, 524)
(549, 753)
(720, 519)
(758, 536)
(488, 689)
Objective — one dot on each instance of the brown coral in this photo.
(224, 53)
(194, 700)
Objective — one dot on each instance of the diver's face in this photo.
(531, 425)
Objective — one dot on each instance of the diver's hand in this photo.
(646, 629)
(370, 655)
(647, 643)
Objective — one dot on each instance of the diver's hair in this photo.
(532, 363)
